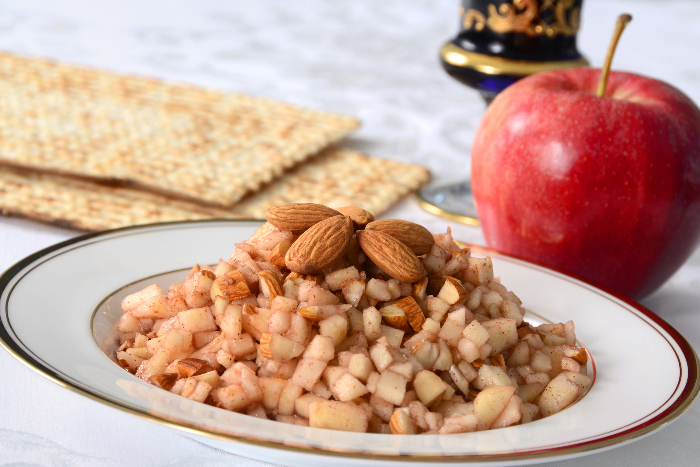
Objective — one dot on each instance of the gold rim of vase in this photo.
(459, 57)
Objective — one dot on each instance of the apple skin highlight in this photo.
(607, 188)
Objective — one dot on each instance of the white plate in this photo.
(57, 309)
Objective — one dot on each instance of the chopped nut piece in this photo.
(412, 311)
(499, 361)
(401, 423)
(420, 288)
(231, 286)
(395, 317)
(193, 367)
(279, 251)
(270, 285)
(452, 291)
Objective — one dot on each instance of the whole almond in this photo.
(320, 246)
(415, 236)
(391, 255)
(360, 217)
(298, 217)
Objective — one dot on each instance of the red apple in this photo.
(604, 187)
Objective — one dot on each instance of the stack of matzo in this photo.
(95, 150)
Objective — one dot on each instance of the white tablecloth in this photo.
(375, 60)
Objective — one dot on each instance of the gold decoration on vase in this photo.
(524, 16)
(476, 18)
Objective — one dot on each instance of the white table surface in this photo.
(375, 60)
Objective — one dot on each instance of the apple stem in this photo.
(622, 21)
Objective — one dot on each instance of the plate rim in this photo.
(671, 413)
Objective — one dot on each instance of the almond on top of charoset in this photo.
(346, 323)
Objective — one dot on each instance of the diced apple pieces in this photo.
(372, 323)
(279, 321)
(320, 348)
(381, 408)
(459, 424)
(197, 320)
(529, 392)
(198, 289)
(394, 336)
(427, 353)
(255, 324)
(444, 361)
(361, 367)
(355, 321)
(404, 369)
(480, 270)
(140, 352)
(316, 313)
(332, 373)
(131, 302)
(335, 327)
(335, 279)
(490, 375)
(451, 331)
(476, 333)
(584, 382)
(437, 307)
(335, 415)
(301, 405)
(559, 394)
(503, 334)
(316, 295)
(200, 392)
(128, 323)
(278, 347)
(347, 388)
(353, 290)
(468, 350)
(520, 355)
(299, 330)
(307, 373)
(530, 412)
(490, 403)
(377, 289)
(511, 310)
(178, 343)
(532, 378)
(153, 308)
(381, 357)
(511, 415)
(391, 387)
(287, 400)
(129, 361)
(240, 347)
(429, 387)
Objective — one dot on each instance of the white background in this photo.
(376, 60)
